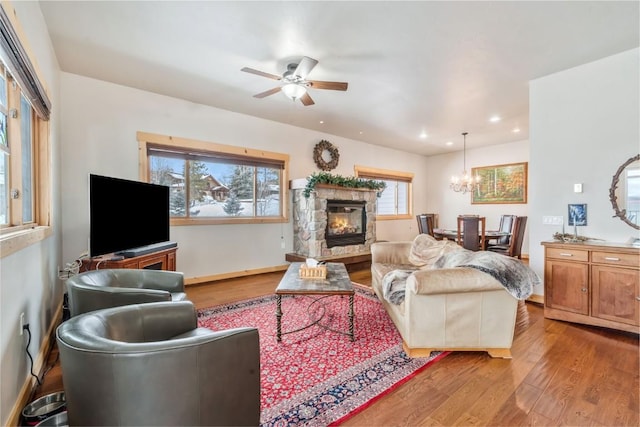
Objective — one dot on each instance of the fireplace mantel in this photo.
(300, 184)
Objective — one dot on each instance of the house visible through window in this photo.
(214, 183)
(395, 201)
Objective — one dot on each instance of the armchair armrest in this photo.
(450, 281)
(390, 252)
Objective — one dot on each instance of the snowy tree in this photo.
(197, 182)
(241, 181)
(232, 205)
(177, 203)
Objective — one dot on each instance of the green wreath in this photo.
(319, 150)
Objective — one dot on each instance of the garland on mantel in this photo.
(341, 181)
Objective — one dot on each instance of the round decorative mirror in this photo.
(625, 192)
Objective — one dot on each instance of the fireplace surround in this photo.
(332, 221)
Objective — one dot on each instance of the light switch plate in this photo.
(577, 188)
(552, 220)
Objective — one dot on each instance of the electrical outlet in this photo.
(21, 323)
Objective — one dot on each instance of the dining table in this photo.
(442, 233)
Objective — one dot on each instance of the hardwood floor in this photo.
(560, 374)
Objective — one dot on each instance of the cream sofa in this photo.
(456, 309)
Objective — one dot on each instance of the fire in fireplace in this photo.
(346, 222)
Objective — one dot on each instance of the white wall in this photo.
(28, 281)
(449, 204)
(99, 124)
(584, 123)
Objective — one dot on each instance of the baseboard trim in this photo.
(38, 366)
(537, 299)
(234, 274)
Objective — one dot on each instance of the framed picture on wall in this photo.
(500, 184)
(577, 214)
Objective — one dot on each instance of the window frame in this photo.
(147, 141)
(17, 234)
(389, 175)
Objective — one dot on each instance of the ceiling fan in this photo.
(295, 81)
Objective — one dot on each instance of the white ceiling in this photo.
(438, 67)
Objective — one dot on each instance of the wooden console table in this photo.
(593, 283)
(160, 260)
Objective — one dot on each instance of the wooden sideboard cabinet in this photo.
(159, 260)
(593, 283)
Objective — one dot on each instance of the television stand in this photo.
(164, 259)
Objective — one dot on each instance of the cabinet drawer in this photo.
(613, 258)
(568, 254)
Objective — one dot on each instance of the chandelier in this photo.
(466, 182)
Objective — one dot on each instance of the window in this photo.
(18, 162)
(395, 201)
(24, 143)
(214, 183)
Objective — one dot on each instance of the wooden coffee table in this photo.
(336, 283)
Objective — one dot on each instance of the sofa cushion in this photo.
(380, 270)
(425, 250)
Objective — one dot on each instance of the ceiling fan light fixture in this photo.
(294, 91)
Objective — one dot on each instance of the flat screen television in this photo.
(125, 215)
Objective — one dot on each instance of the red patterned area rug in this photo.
(317, 377)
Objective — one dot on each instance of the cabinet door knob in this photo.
(584, 289)
(638, 298)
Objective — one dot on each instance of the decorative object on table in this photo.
(313, 269)
(327, 378)
(577, 214)
(570, 238)
(341, 181)
(465, 183)
(501, 184)
(624, 191)
(319, 151)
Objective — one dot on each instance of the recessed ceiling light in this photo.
(321, 121)
(495, 119)
(449, 143)
(424, 135)
(361, 132)
(516, 130)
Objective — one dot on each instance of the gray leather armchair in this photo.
(149, 364)
(97, 289)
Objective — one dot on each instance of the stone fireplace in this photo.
(333, 221)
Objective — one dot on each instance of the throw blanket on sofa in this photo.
(517, 278)
(393, 285)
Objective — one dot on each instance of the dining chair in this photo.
(471, 232)
(506, 226)
(426, 223)
(514, 248)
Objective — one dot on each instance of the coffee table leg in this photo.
(278, 317)
(351, 332)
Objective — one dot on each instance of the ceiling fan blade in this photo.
(267, 93)
(260, 73)
(306, 100)
(316, 84)
(305, 66)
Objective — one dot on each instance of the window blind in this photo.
(17, 61)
